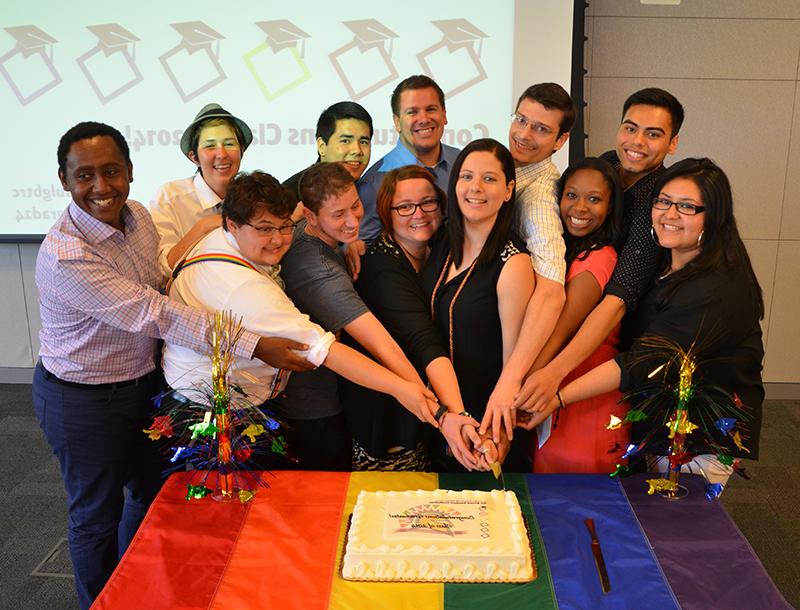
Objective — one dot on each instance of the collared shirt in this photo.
(101, 312)
(175, 209)
(639, 255)
(537, 218)
(399, 156)
(258, 299)
(292, 183)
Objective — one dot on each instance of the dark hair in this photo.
(499, 234)
(383, 202)
(653, 96)
(86, 131)
(721, 247)
(211, 122)
(321, 181)
(326, 124)
(610, 232)
(553, 97)
(250, 193)
(418, 81)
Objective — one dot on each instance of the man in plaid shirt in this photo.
(102, 315)
(540, 126)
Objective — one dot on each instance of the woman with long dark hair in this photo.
(479, 280)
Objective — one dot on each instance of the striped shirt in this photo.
(101, 311)
(537, 219)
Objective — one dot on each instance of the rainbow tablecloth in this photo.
(282, 549)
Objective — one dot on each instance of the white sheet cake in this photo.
(438, 536)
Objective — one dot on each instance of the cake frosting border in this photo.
(529, 557)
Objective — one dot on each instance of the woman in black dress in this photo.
(479, 280)
(386, 435)
(707, 295)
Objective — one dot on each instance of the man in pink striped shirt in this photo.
(102, 316)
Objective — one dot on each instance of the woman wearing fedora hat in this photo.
(186, 210)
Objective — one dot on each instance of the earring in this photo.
(653, 235)
(700, 238)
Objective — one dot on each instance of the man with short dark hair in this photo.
(540, 126)
(318, 282)
(97, 275)
(344, 135)
(651, 119)
(419, 116)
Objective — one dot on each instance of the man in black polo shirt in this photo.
(344, 135)
(651, 119)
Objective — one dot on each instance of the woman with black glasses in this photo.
(409, 204)
(705, 295)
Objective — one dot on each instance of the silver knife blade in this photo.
(598, 557)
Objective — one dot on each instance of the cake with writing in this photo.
(438, 536)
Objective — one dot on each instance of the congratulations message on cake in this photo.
(465, 519)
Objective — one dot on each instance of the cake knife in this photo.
(598, 556)
(497, 471)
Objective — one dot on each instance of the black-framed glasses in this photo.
(408, 208)
(683, 207)
(270, 231)
(538, 128)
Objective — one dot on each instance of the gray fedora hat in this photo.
(214, 111)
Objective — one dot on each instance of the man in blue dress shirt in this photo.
(419, 117)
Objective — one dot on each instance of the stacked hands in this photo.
(474, 449)
(523, 405)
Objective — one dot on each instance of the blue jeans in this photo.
(96, 434)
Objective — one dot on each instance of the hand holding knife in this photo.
(598, 556)
(489, 451)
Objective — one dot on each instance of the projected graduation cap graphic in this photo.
(277, 65)
(28, 67)
(364, 65)
(110, 67)
(454, 62)
(193, 65)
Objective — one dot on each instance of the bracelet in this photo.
(560, 400)
(440, 413)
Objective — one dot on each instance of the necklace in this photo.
(419, 259)
(452, 302)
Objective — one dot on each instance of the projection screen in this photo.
(147, 67)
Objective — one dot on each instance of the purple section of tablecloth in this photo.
(706, 559)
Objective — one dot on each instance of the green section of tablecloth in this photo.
(536, 594)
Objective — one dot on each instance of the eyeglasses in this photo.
(538, 128)
(683, 207)
(408, 208)
(270, 231)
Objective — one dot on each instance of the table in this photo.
(282, 549)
